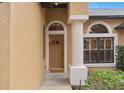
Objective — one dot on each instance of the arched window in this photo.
(98, 28)
(99, 44)
(56, 27)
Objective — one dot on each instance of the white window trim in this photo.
(65, 44)
(100, 22)
(110, 34)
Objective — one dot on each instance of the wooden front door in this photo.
(56, 53)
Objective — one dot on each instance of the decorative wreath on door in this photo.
(55, 42)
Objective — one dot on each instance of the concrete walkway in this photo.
(55, 81)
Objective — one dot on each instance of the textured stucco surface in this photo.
(26, 46)
(4, 44)
(78, 8)
(93, 69)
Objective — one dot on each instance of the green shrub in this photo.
(103, 80)
(120, 57)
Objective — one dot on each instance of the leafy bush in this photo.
(103, 80)
(120, 57)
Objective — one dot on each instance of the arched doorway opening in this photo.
(56, 45)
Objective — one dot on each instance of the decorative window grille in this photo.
(98, 28)
(99, 50)
(56, 27)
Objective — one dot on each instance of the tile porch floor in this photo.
(55, 81)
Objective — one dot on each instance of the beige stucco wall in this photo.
(26, 48)
(93, 69)
(78, 8)
(4, 44)
(59, 14)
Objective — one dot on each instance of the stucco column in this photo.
(78, 71)
(77, 43)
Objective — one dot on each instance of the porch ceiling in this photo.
(54, 4)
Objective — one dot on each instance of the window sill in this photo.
(101, 65)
